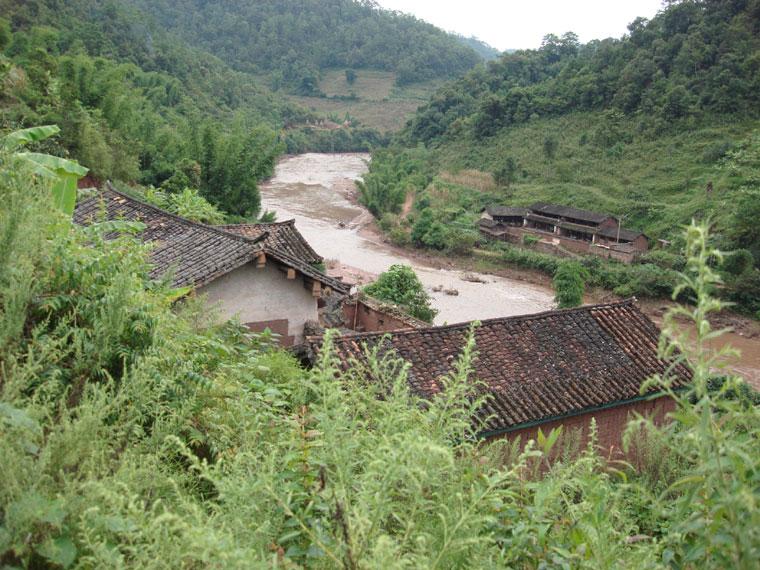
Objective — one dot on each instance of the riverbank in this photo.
(320, 192)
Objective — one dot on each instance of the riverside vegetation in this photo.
(657, 128)
(135, 433)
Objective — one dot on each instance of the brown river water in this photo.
(319, 191)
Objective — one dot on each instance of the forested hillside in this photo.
(294, 40)
(485, 50)
(141, 97)
(657, 128)
(136, 105)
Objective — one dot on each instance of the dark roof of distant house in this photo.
(197, 254)
(627, 235)
(506, 211)
(488, 222)
(281, 235)
(569, 212)
(535, 367)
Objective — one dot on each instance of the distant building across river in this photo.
(564, 228)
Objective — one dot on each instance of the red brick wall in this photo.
(574, 244)
(641, 243)
(278, 326)
(371, 320)
(610, 424)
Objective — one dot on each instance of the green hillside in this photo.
(658, 128)
(135, 104)
(176, 94)
(294, 40)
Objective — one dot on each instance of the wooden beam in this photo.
(261, 260)
(291, 273)
(316, 289)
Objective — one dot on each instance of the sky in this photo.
(520, 24)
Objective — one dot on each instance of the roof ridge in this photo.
(290, 222)
(630, 301)
(110, 188)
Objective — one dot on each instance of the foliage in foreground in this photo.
(137, 435)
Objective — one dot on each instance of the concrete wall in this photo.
(259, 297)
(610, 423)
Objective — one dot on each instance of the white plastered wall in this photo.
(265, 294)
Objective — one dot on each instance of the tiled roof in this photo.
(309, 271)
(535, 367)
(197, 254)
(506, 211)
(628, 235)
(281, 235)
(569, 212)
(488, 223)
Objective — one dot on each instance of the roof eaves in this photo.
(307, 269)
(485, 434)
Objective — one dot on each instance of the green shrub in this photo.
(738, 262)
(400, 236)
(569, 284)
(188, 203)
(387, 222)
(716, 151)
(401, 286)
(664, 259)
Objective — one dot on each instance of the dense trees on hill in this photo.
(659, 127)
(294, 39)
(137, 105)
(694, 56)
(486, 51)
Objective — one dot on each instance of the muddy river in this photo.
(319, 191)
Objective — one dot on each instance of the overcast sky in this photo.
(519, 24)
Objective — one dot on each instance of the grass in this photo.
(657, 184)
(380, 103)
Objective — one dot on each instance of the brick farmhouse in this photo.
(559, 228)
(561, 367)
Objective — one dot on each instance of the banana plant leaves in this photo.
(23, 137)
(62, 173)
